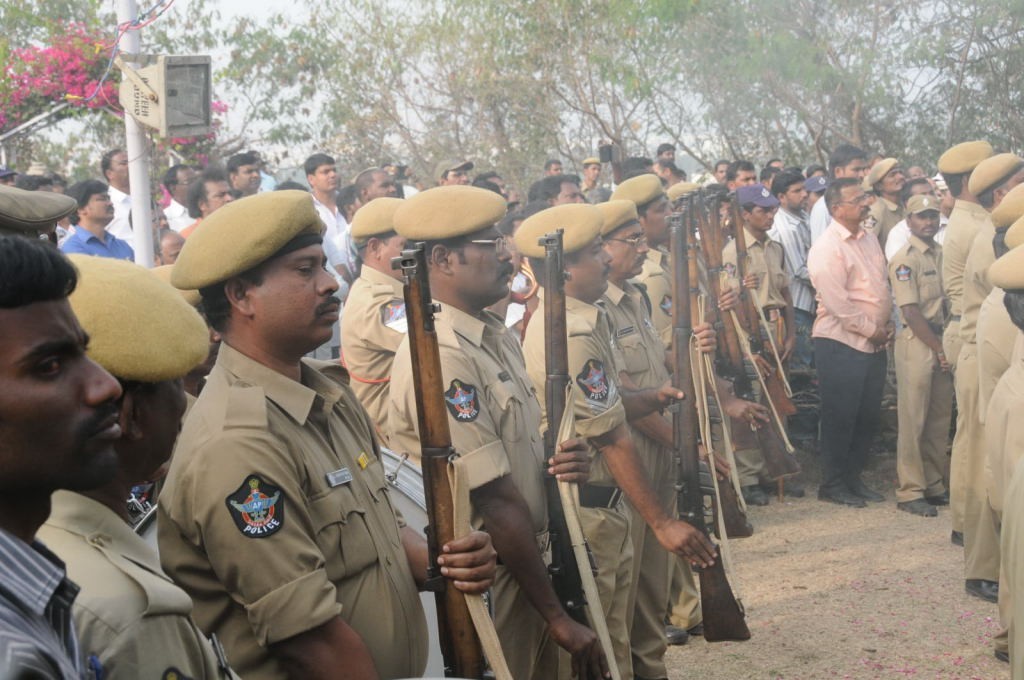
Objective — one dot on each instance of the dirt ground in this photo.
(833, 592)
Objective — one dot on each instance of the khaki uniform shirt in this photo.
(593, 375)
(493, 413)
(883, 217)
(1004, 429)
(996, 337)
(128, 613)
(915, 277)
(766, 260)
(964, 222)
(641, 354)
(276, 518)
(372, 328)
(976, 284)
(657, 280)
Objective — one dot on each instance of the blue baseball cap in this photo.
(757, 194)
(816, 184)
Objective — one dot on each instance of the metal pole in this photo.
(137, 150)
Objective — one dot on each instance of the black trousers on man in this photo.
(850, 383)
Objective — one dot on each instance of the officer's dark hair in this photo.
(488, 185)
(548, 188)
(1014, 303)
(32, 271)
(170, 178)
(83, 191)
(291, 186)
(784, 180)
(663, 147)
(314, 162)
(32, 182)
(641, 208)
(955, 182)
(634, 166)
(348, 196)
(240, 159)
(843, 155)
(215, 306)
(834, 193)
(768, 172)
(107, 161)
(734, 169)
(197, 189)
(907, 190)
(550, 163)
(813, 168)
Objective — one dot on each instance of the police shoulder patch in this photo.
(392, 315)
(257, 507)
(903, 273)
(593, 380)
(666, 304)
(462, 401)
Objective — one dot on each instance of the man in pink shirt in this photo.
(851, 331)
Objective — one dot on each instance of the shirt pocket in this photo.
(342, 532)
(634, 354)
(929, 285)
(506, 410)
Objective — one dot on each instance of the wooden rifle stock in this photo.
(460, 645)
(723, 616)
(564, 571)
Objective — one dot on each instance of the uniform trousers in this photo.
(529, 651)
(608, 533)
(1012, 551)
(851, 384)
(981, 540)
(951, 344)
(925, 408)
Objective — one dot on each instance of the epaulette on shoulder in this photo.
(246, 407)
(332, 369)
(576, 325)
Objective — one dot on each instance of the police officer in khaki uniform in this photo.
(495, 421)
(374, 323)
(991, 181)
(766, 276)
(923, 378)
(600, 406)
(33, 213)
(132, 621)
(276, 516)
(956, 166)
(886, 180)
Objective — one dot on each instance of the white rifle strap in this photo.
(477, 607)
(570, 495)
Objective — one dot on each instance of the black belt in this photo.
(936, 328)
(599, 496)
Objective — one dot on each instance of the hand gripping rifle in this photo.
(722, 613)
(564, 570)
(778, 455)
(460, 645)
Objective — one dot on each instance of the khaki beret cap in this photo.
(374, 218)
(140, 328)
(242, 234)
(32, 211)
(878, 171)
(964, 157)
(581, 223)
(163, 272)
(591, 160)
(448, 212)
(680, 189)
(1009, 209)
(1008, 271)
(641, 189)
(922, 203)
(993, 171)
(617, 214)
(1015, 234)
(447, 165)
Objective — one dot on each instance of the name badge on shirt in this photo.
(339, 477)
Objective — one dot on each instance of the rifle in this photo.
(722, 613)
(460, 645)
(564, 570)
(754, 317)
(778, 455)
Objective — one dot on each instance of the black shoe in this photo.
(957, 538)
(940, 500)
(986, 590)
(754, 495)
(841, 497)
(859, 488)
(1002, 656)
(790, 487)
(696, 630)
(918, 506)
(675, 635)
